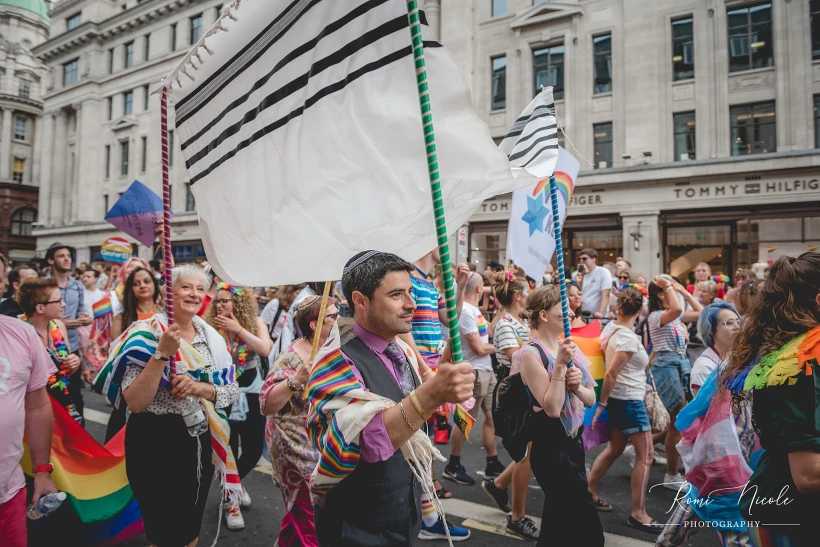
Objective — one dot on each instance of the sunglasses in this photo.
(623, 277)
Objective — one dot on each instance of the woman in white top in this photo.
(622, 395)
(718, 326)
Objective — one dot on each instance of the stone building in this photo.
(23, 25)
(696, 122)
(101, 121)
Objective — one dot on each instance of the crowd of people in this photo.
(679, 358)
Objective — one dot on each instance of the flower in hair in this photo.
(720, 278)
(510, 276)
(635, 286)
(233, 289)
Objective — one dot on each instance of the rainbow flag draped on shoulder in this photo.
(136, 346)
(340, 409)
(94, 480)
(99, 338)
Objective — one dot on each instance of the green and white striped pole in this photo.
(435, 180)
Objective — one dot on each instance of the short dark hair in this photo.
(154, 264)
(14, 277)
(94, 272)
(368, 276)
(495, 266)
(592, 253)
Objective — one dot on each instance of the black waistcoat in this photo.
(378, 504)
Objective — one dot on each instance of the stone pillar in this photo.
(647, 259)
(5, 140)
(46, 152)
(56, 213)
(34, 178)
(74, 174)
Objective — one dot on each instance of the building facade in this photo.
(695, 121)
(23, 25)
(101, 122)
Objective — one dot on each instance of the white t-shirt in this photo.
(703, 367)
(594, 282)
(509, 333)
(269, 313)
(91, 298)
(631, 382)
(116, 305)
(472, 321)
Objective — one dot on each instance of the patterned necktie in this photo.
(401, 366)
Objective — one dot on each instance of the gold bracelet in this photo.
(417, 405)
(406, 419)
(426, 372)
(558, 378)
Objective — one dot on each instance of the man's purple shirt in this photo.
(376, 445)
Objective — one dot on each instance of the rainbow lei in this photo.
(720, 278)
(60, 380)
(636, 286)
(241, 347)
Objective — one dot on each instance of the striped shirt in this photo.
(509, 333)
(668, 337)
(426, 326)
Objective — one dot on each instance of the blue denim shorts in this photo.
(628, 416)
(671, 372)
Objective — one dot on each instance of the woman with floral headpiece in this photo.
(234, 314)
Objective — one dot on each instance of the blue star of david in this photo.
(535, 215)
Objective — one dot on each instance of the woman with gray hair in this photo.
(718, 326)
(175, 438)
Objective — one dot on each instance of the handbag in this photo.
(658, 415)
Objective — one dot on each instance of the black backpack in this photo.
(512, 408)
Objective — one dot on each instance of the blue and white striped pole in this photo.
(559, 254)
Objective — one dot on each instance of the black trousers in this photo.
(75, 390)
(248, 438)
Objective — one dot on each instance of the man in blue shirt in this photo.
(59, 257)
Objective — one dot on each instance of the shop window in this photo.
(750, 37)
(548, 70)
(684, 127)
(196, 28)
(127, 103)
(602, 144)
(488, 242)
(22, 221)
(24, 92)
(817, 121)
(814, 14)
(683, 49)
(499, 7)
(498, 84)
(602, 63)
(18, 170)
(71, 71)
(753, 129)
(608, 244)
(190, 202)
(693, 244)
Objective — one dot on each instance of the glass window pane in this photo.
(814, 8)
(498, 84)
(684, 135)
(739, 51)
(738, 17)
(602, 44)
(817, 121)
(602, 144)
(761, 13)
(761, 45)
(499, 7)
(682, 28)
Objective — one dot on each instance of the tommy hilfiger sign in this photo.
(747, 188)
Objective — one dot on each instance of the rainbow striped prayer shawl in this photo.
(340, 409)
(136, 346)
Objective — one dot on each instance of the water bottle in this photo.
(46, 505)
(194, 417)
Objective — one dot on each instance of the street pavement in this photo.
(470, 506)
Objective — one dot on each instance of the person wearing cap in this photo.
(369, 409)
(59, 257)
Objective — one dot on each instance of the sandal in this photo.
(443, 494)
(601, 505)
(653, 527)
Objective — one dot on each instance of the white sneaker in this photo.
(629, 454)
(660, 454)
(673, 482)
(244, 499)
(659, 460)
(233, 518)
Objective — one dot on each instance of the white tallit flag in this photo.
(303, 142)
(531, 234)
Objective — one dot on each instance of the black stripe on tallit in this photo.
(360, 43)
(332, 88)
(523, 153)
(539, 130)
(515, 131)
(540, 151)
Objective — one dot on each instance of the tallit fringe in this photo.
(419, 453)
(187, 62)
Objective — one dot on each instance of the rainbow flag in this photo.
(771, 248)
(464, 421)
(102, 307)
(812, 247)
(93, 477)
(588, 340)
